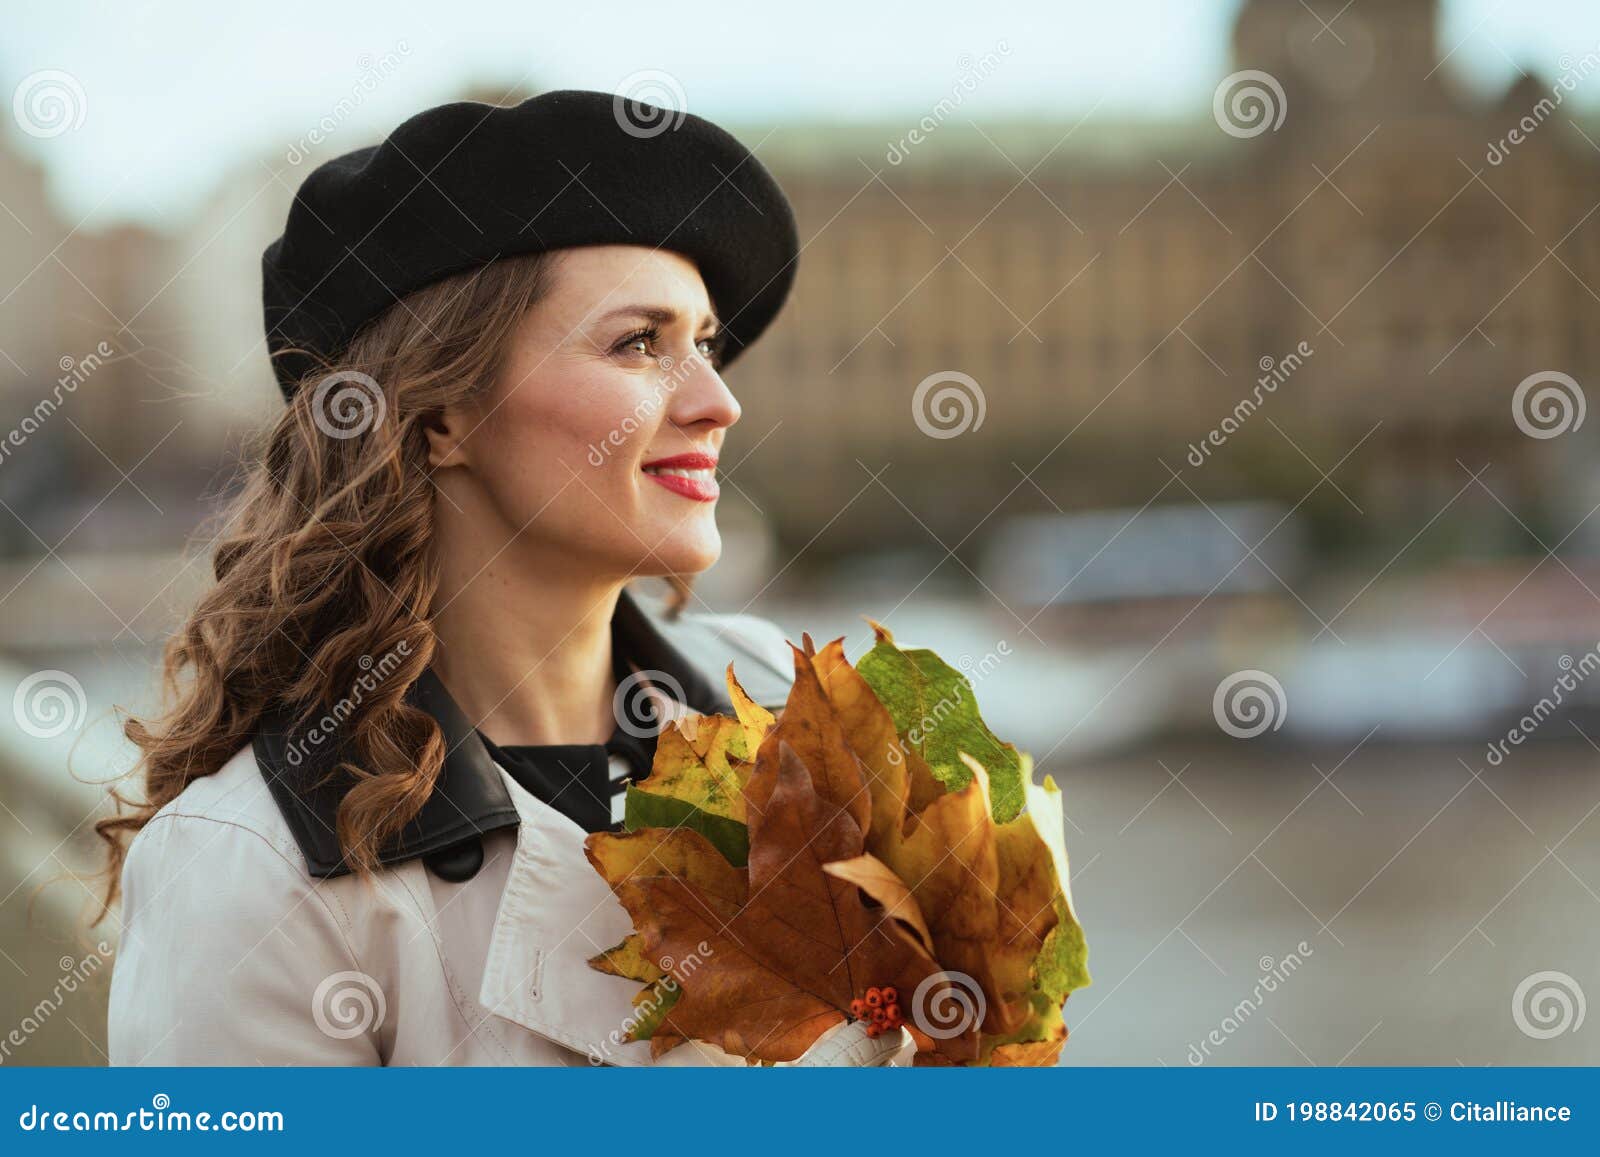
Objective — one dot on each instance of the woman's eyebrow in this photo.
(656, 314)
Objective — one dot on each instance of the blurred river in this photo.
(1365, 902)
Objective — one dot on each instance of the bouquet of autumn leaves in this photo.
(872, 853)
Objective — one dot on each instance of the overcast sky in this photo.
(175, 93)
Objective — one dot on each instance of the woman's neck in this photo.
(526, 651)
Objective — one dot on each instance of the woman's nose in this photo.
(700, 394)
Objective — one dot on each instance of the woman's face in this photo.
(609, 375)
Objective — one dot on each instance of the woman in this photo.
(420, 679)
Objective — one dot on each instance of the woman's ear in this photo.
(447, 434)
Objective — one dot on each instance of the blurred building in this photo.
(93, 387)
(1112, 290)
(1115, 290)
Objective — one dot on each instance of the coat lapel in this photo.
(555, 913)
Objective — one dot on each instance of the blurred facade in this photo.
(1112, 289)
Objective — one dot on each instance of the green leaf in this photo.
(647, 810)
(1044, 1022)
(700, 763)
(627, 960)
(936, 713)
(653, 1004)
(1063, 960)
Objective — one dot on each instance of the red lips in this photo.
(698, 489)
(697, 460)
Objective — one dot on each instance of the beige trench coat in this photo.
(232, 954)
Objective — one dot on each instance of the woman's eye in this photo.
(711, 349)
(639, 343)
(636, 343)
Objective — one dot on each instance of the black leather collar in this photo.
(469, 799)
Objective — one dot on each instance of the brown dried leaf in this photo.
(811, 726)
(878, 881)
(786, 960)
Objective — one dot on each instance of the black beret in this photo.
(461, 184)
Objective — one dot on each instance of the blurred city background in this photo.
(1229, 427)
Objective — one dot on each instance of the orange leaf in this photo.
(811, 727)
(869, 729)
(783, 964)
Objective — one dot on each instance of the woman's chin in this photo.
(688, 550)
